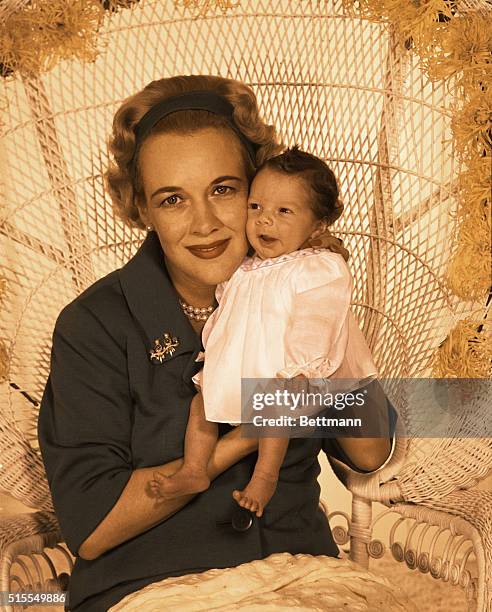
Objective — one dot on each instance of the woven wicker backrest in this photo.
(335, 85)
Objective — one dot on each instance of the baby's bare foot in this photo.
(182, 482)
(257, 493)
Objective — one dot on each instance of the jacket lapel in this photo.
(153, 302)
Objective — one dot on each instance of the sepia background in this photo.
(349, 87)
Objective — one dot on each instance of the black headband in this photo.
(191, 100)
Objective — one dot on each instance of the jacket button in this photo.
(242, 519)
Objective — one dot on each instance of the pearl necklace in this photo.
(197, 314)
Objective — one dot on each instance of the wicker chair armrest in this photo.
(20, 526)
(379, 485)
(450, 565)
(447, 547)
(24, 562)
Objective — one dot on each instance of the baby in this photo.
(284, 313)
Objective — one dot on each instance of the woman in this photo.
(116, 403)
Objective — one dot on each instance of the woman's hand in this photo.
(137, 510)
(328, 241)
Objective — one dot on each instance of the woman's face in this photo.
(196, 192)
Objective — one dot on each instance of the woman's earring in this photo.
(150, 228)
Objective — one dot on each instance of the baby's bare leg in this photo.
(201, 436)
(261, 487)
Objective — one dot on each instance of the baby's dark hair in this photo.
(319, 177)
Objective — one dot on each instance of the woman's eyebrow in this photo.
(165, 189)
(227, 177)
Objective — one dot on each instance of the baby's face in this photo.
(280, 219)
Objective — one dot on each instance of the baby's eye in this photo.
(285, 210)
(172, 200)
(253, 206)
(223, 189)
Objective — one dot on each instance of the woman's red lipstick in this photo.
(209, 251)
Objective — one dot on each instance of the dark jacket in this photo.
(108, 409)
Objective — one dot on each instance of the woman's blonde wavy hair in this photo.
(123, 182)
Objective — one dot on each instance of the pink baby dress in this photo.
(278, 318)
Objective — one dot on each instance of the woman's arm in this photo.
(136, 512)
(363, 453)
(370, 453)
(316, 344)
(85, 430)
(367, 454)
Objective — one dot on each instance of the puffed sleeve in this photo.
(84, 426)
(317, 333)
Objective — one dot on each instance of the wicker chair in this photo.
(337, 85)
